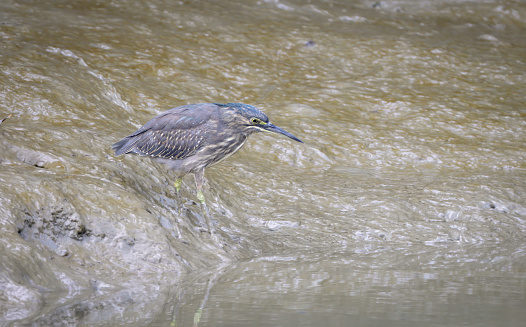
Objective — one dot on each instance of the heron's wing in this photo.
(171, 135)
(173, 144)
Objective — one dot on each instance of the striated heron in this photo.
(190, 138)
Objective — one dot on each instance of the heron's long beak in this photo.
(275, 129)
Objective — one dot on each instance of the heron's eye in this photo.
(255, 121)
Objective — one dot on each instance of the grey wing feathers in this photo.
(171, 135)
(174, 144)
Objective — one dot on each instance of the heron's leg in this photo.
(178, 183)
(199, 178)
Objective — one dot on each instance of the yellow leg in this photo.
(177, 184)
(199, 176)
(201, 197)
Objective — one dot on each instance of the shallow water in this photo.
(439, 285)
(405, 205)
(410, 287)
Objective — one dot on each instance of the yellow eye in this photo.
(255, 121)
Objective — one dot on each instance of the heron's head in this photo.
(248, 119)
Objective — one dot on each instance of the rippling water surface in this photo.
(405, 206)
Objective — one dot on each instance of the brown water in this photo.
(405, 206)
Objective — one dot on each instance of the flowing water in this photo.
(406, 206)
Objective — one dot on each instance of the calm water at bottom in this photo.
(424, 285)
(435, 284)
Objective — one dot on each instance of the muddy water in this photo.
(405, 206)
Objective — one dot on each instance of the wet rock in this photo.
(451, 215)
(34, 158)
(273, 224)
(454, 235)
(497, 207)
(55, 222)
(488, 205)
(353, 19)
(487, 38)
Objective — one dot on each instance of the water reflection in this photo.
(421, 285)
(211, 279)
(443, 284)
